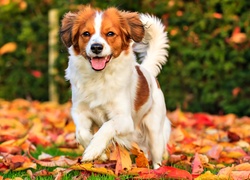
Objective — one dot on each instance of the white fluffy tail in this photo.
(153, 48)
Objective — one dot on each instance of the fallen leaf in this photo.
(215, 152)
(240, 175)
(164, 172)
(122, 158)
(8, 48)
(141, 161)
(174, 158)
(91, 168)
(55, 161)
(210, 176)
(233, 137)
(197, 167)
(242, 167)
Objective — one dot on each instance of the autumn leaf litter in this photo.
(202, 146)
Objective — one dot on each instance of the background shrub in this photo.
(208, 67)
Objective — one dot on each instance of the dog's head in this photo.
(100, 35)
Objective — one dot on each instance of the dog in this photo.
(109, 87)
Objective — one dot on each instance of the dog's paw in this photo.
(103, 157)
(92, 153)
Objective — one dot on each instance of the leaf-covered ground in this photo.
(202, 146)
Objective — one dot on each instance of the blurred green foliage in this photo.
(208, 68)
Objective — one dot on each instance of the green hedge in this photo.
(208, 68)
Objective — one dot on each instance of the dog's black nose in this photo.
(96, 48)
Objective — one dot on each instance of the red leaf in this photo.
(10, 149)
(203, 119)
(36, 73)
(35, 139)
(165, 172)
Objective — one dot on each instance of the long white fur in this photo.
(152, 49)
(106, 97)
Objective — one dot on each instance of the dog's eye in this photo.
(110, 34)
(86, 34)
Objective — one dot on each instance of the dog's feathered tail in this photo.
(153, 48)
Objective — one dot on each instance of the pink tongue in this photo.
(98, 63)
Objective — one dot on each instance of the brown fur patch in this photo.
(142, 92)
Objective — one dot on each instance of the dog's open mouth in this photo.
(99, 63)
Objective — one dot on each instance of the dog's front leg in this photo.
(117, 126)
(83, 125)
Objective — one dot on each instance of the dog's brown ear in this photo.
(135, 25)
(66, 28)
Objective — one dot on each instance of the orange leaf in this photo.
(10, 149)
(19, 163)
(217, 15)
(8, 48)
(122, 157)
(141, 160)
(242, 167)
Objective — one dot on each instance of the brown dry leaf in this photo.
(174, 158)
(18, 162)
(122, 158)
(55, 161)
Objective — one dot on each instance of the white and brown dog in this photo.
(109, 87)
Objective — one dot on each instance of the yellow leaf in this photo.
(209, 176)
(8, 48)
(18, 178)
(90, 167)
(232, 154)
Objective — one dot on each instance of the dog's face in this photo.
(100, 36)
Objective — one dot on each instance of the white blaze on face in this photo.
(98, 61)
